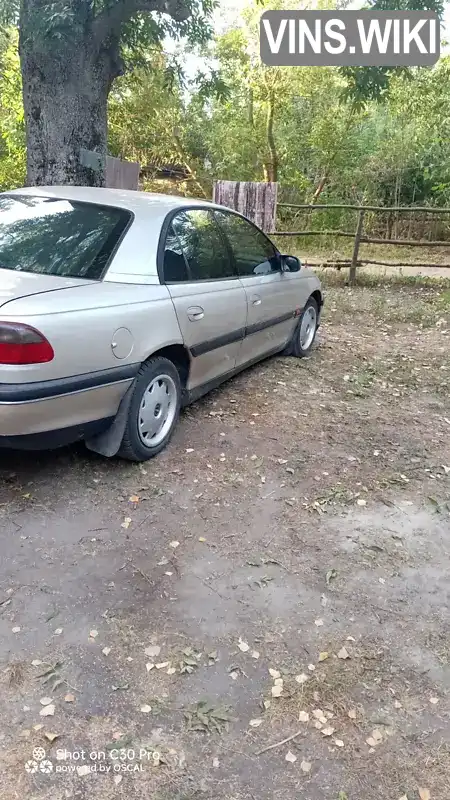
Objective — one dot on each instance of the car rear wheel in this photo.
(153, 411)
(305, 332)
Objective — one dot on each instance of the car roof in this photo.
(120, 198)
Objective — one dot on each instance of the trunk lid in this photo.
(15, 284)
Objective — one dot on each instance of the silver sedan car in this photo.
(117, 308)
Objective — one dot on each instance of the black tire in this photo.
(133, 447)
(294, 348)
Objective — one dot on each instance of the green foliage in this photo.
(12, 130)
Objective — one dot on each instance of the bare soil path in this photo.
(280, 572)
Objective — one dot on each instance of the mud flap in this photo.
(108, 443)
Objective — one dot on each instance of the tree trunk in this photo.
(66, 82)
(271, 165)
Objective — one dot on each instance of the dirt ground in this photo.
(280, 572)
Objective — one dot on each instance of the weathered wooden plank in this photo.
(256, 200)
(122, 174)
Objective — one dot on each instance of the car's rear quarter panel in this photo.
(80, 324)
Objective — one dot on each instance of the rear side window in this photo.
(50, 236)
(202, 245)
(175, 266)
(254, 253)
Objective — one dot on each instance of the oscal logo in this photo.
(38, 763)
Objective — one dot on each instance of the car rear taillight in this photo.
(21, 344)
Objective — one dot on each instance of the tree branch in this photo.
(111, 19)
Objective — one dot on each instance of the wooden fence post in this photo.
(358, 234)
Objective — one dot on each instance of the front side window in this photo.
(253, 252)
(50, 236)
(203, 245)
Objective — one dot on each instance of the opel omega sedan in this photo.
(118, 307)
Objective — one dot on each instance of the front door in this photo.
(270, 293)
(207, 294)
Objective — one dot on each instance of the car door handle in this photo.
(195, 312)
(256, 300)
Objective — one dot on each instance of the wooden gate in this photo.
(257, 201)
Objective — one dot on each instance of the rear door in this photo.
(272, 296)
(207, 294)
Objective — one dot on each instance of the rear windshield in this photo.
(50, 236)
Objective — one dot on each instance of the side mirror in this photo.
(290, 264)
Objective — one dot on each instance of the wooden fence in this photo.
(359, 237)
(257, 201)
(121, 174)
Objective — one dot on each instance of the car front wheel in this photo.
(154, 410)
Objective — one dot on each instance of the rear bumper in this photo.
(63, 410)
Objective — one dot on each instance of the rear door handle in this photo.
(195, 312)
(256, 300)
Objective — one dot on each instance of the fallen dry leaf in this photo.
(290, 757)
(318, 622)
(323, 656)
(171, 671)
(318, 714)
(343, 653)
(424, 794)
(153, 651)
(93, 634)
(134, 498)
(255, 723)
(149, 666)
(162, 665)
(215, 763)
(45, 701)
(58, 631)
(274, 673)
(303, 716)
(301, 678)
(174, 544)
(126, 523)
(277, 691)
(51, 736)
(69, 698)
(339, 742)
(375, 739)
(146, 709)
(352, 713)
(255, 654)
(16, 629)
(327, 731)
(47, 711)
(434, 700)
(305, 766)
(243, 645)
(36, 662)
(106, 651)
(38, 727)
